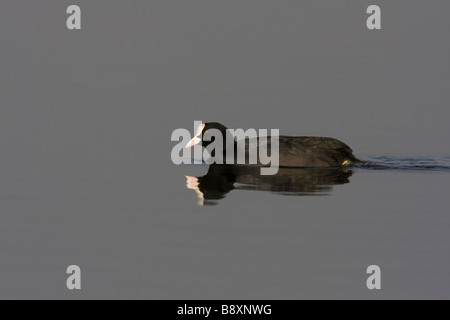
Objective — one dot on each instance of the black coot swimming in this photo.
(293, 151)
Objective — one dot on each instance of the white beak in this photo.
(196, 140)
(193, 142)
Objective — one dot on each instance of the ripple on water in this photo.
(408, 163)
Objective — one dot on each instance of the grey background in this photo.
(85, 124)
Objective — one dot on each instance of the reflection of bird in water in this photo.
(221, 179)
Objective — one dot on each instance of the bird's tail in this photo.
(352, 162)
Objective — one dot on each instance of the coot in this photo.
(293, 151)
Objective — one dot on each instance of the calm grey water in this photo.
(86, 175)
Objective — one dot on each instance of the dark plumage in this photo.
(293, 151)
(315, 152)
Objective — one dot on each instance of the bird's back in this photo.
(309, 151)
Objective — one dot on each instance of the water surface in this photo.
(86, 178)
